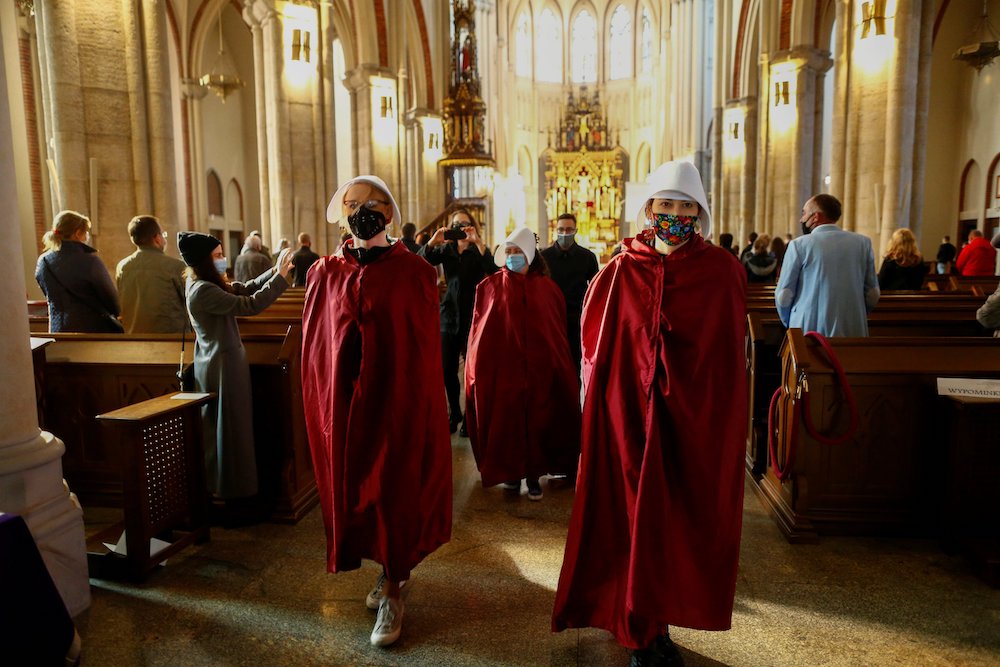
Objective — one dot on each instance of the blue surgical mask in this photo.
(516, 262)
(221, 264)
(565, 240)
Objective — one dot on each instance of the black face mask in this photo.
(366, 223)
(805, 228)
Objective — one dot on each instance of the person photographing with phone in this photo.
(459, 248)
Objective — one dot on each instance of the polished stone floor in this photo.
(260, 596)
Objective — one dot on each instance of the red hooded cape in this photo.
(521, 389)
(375, 412)
(655, 531)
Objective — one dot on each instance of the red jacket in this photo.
(375, 412)
(654, 537)
(978, 258)
(522, 395)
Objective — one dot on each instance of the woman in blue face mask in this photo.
(522, 394)
(220, 362)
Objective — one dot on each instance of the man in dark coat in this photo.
(303, 258)
(572, 267)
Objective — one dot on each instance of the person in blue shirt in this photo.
(828, 281)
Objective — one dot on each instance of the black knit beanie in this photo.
(195, 246)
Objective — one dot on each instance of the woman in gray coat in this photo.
(220, 362)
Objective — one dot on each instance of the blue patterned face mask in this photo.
(516, 262)
(673, 229)
(221, 264)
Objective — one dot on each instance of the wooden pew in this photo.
(91, 374)
(981, 286)
(765, 334)
(889, 477)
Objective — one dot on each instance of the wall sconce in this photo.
(383, 102)
(300, 23)
(385, 108)
(301, 51)
(872, 16)
(734, 119)
(781, 94)
(433, 130)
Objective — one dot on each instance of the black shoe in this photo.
(454, 421)
(669, 653)
(644, 657)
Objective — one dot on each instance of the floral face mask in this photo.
(674, 229)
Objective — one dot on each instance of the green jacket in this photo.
(151, 289)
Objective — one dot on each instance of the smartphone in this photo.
(455, 234)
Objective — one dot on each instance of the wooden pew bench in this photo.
(765, 334)
(890, 476)
(91, 374)
(981, 286)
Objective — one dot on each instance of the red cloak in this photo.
(522, 394)
(375, 411)
(655, 531)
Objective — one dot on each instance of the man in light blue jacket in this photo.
(828, 281)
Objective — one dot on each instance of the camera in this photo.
(455, 234)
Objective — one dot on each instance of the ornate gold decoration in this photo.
(584, 175)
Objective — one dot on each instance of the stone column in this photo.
(31, 481)
(376, 145)
(790, 135)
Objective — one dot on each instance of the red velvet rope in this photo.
(783, 471)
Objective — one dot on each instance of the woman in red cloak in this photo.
(522, 394)
(374, 401)
(655, 531)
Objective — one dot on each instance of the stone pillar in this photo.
(790, 132)
(376, 141)
(31, 481)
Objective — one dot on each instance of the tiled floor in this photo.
(261, 596)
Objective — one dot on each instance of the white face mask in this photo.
(221, 264)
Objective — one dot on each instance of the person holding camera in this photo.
(458, 247)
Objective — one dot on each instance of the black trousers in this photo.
(453, 346)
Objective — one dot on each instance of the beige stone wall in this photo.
(964, 126)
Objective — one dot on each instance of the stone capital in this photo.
(360, 77)
(258, 13)
(803, 57)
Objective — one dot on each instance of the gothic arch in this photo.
(524, 165)
(990, 190)
(234, 195)
(214, 194)
(344, 30)
(747, 49)
(966, 187)
(643, 162)
(202, 25)
(574, 12)
(604, 31)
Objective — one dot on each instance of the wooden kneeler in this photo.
(163, 483)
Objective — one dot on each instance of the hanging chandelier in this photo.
(218, 80)
(980, 53)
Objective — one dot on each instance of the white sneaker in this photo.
(388, 622)
(375, 594)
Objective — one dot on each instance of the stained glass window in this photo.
(647, 42)
(522, 46)
(621, 44)
(548, 47)
(584, 48)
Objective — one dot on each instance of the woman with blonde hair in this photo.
(903, 268)
(82, 297)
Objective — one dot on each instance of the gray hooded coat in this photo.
(220, 366)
